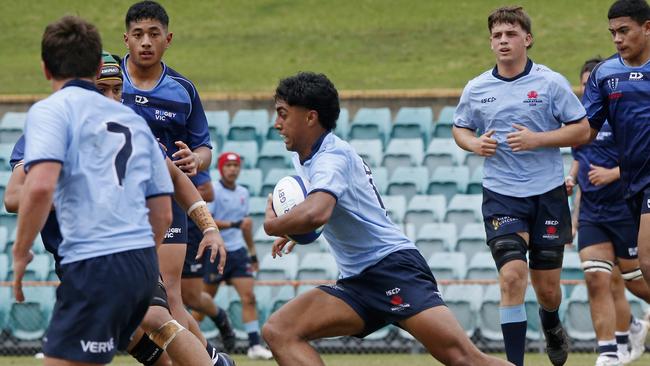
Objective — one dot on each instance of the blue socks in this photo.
(513, 326)
(253, 330)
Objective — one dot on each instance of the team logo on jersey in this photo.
(396, 301)
(139, 99)
(634, 76)
(612, 83)
(532, 98)
(488, 100)
(551, 229)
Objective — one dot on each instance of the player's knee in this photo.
(632, 275)
(546, 258)
(248, 298)
(272, 333)
(549, 295)
(513, 281)
(507, 248)
(156, 316)
(597, 274)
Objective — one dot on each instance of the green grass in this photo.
(247, 45)
(532, 359)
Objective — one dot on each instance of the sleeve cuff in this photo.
(160, 194)
(324, 190)
(467, 128)
(575, 121)
(29, 164)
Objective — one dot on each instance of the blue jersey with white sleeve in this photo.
(111, 164)
(538, 99)
(230, 205)
(619, 94)
(359, 230)
(602, 203)
(172, 109)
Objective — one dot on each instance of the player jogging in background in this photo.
(606, 237)
(383, 277)
(518, 109)
(617, 92)
(103, 168)
(230, 213)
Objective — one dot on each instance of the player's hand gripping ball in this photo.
(287, 194)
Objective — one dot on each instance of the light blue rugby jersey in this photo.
(230, 205)
(111, 164)
(539, 99)
(359, 230)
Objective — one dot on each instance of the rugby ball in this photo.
(287, 194)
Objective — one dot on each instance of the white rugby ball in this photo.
(287, 194)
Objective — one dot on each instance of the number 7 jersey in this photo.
(111, 164)
(359, 230)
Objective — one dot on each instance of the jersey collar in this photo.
(529, 66)
(315, 147)
(82, 84)
(226, 187)
(128, 77)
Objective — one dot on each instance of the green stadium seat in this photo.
(380, 178)
(403, 153)
(472, 240)
(448, 265)
(424, 209)
(235, 308)
(448, 181)
(408, 181)
(272, 134)
(571, 268)
(567, 157)
(256, 210)
(473, 162)
(251, 179)
(5, 303)
(638, 307)
(218, 125)
(464, 209)
(246, 149)
(396, 207)
(273, 155)
(39, 247)
(282, 295)
(481, 267)
(343, 124)
(4, 238)
(464, 302)
(44, 295)
(436, 237)
(369, 150)
(5, 156)
(475, 185)
(534, 330)
(27, 321)
(370, 123)
(413, 122)
(249, 124)
(263, 297)
(317, 266)
(443, 126)
(261, 237)
(12, 126)
(577, 318)
(37, 269)
(272, 177)
(4, 267)
(489, 318)
(278, 268)
(442, 152)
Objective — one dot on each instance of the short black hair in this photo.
(638, 10)
(311, 91)
(590, 65)
(71, 48)
(146, 10)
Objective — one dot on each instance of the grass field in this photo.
(246, 45)
(532, 359)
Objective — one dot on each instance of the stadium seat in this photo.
(272, 134)
(251, 179)
(442, 152)
(38, 247)
(218, 125)
(464, 302)
(249, 124)
(369, 150)
(396, 207)
(489, 317)
(256, 211)
(370, 123)
(273, 155)
(317, 266)
(235, 307)
(577, 318)
(4, 238)
(448, 265)
(475, 185)
(380, 178)
(278, 268)
(472, 240)
(445, 122)
(272, 177)
(436, 237)
(27, 321)
(481, 267)
(283, 295)
(36, 270)
(473, 162)
(44, 295)
(261, 237)
(423, 209)
(638, 307)
(4, 267)
(5, 155)
(343, 124)
(448, 181)
(403, 153)
(263, 297)
(534, 330)
(5, 304)
(14, 120)
(408, 181)
(571, 269)
(567, 157)
(246, 149)
(411, 122)
(464, 209)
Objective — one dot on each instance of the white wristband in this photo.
(195, 205)
(212, 228)
(570, 177)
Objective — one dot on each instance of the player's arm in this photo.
(600, 176)
(572, 134)
(467, 140)
(570, 181)
(160, 216)
(206, 191)
(307, 216)
(14, 187)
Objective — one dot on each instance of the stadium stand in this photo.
(403, 152)
(445, 122)
(371, 123)
(412, 123)
(448, 265)
(369, 150)
(436, 237)
(423, 209)
(448, 180)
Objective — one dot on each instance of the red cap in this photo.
(227, 157)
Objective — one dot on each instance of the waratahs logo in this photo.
(532, 98)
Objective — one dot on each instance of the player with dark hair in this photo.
(606, 236)
(102, 166)
(617, 92)
(518, 109)
(383, 277)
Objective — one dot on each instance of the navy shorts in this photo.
(193, 268)
(177, 232)
(238, 264)
(159, 297)
(546, 217)
(622, 234)
(640, 205)
(99, 304)
(396, 288)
